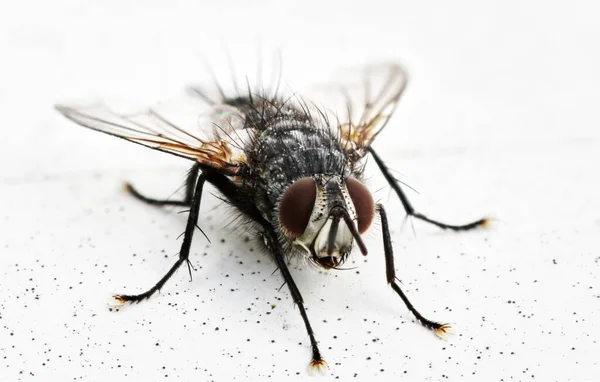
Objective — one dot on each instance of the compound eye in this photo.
(296, 205)
(363, 203)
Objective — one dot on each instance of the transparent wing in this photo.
(366, 99)
(183, 137)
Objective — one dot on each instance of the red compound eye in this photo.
(363, 203)
(296, 206)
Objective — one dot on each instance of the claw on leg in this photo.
(118, 300)
(317, 366)
(443, 331)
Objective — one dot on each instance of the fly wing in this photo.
(366, 99)
(183, 137)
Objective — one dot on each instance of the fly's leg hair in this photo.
(437, 327)
(190, 183)
(184, 253)
(317, 363)
(410, 210)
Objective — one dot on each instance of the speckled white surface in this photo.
(500, 119)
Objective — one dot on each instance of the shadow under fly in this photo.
(291, 167)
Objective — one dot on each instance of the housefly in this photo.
(291, 167)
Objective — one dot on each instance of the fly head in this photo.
(324, 215)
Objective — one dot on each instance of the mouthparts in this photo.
(333, 242)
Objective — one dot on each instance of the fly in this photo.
(290, 167)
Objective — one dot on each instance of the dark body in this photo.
(287, 142)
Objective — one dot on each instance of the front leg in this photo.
(410, 210)
(437, 327)
(248, 207)
(317, 363)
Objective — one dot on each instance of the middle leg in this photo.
(410, 210)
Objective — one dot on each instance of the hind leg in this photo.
(190, 184)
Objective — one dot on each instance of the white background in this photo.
(500, 119)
